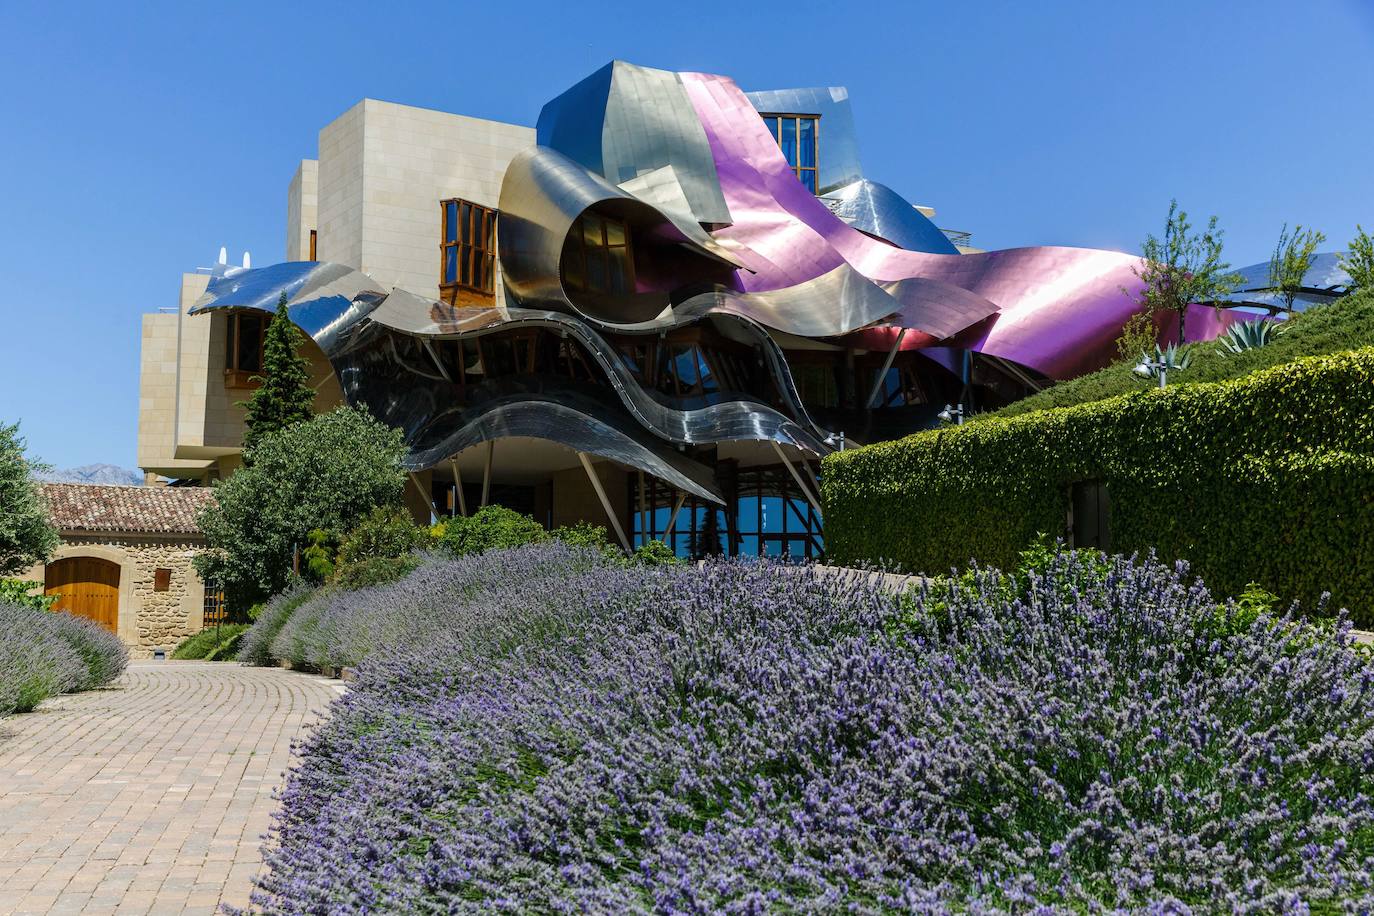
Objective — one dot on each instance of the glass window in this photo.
(468, 246)
(798, 137)
(243, 342)
(598, 256)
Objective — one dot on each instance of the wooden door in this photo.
(89, 587)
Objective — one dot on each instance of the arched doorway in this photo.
(88, 587)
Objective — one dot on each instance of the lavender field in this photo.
(43, 654)
(537, 730)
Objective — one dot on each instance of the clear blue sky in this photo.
(139, 137)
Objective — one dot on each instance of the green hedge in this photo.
(1346, 324)
(1268, 478)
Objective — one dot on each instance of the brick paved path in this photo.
(150, 796)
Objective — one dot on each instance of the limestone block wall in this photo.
(148, 619)
(302, 203)
(383, 168)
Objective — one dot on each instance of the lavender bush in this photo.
(44, 653)
(557, 736)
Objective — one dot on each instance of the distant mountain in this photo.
(94, 473)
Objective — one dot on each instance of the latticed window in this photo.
(598, 256)
(799, 138)
(468, 246)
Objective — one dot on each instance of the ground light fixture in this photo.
(952, 414)
(1152, 368)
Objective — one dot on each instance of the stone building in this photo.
(125, 560)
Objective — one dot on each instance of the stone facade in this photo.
(140, 530)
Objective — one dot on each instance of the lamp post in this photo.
(952, 414)
(1149, 368)
(835, 440)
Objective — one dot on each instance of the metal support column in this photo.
(806, 491)
(643, 511)
(882, 373)
(605, 501)
(486, 472)
(458, 486)
(672, 519)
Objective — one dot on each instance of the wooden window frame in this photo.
(797, 169)
(314, 239)
(478, 256)
(579, 246)
(235, 376)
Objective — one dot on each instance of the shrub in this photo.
(327, 473)
(746, 737)
(585, 534)
(44, 653)
(1346, 324)
(209, 642)
(19, 591)
(655, 553)
(1268, 478)
(255, 647)
(490, 528)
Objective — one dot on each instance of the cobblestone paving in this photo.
(150, 796)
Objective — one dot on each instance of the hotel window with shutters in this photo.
(798, 136)
(467, 248)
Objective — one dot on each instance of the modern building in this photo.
(655, 310)
(125, 561)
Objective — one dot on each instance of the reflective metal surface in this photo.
(725, 243)
(878, 210)
(1324, 281)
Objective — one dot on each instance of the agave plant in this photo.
(1165, 360)
(1248, 335)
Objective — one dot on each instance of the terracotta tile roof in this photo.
(120, 509)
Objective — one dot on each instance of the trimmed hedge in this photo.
(1267, 479)
(1346, 324)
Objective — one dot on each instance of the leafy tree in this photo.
(1358, 261)
(27, 536)
(1291, 260)
(1183, 268)
(284, 396)
(327, 473)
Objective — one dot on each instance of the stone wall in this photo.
(148, 619)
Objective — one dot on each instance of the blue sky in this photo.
(140, 137)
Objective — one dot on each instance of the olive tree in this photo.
(1183, 267)
(27, 536)
(1358, 260)
(1291, 260)
(326, 473)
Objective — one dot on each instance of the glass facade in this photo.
(468, 246)
(798, 137)
(765, 515)
(598, 256)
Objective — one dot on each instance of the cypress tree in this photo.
(284, 396)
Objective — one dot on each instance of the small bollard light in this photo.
(952, 414)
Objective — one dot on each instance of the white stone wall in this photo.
(383, 169)
(302, 209)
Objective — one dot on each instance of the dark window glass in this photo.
(598, 256)
(807, 142)
(788, 141)
(468, 246)
(249, 356)
(798, 137)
